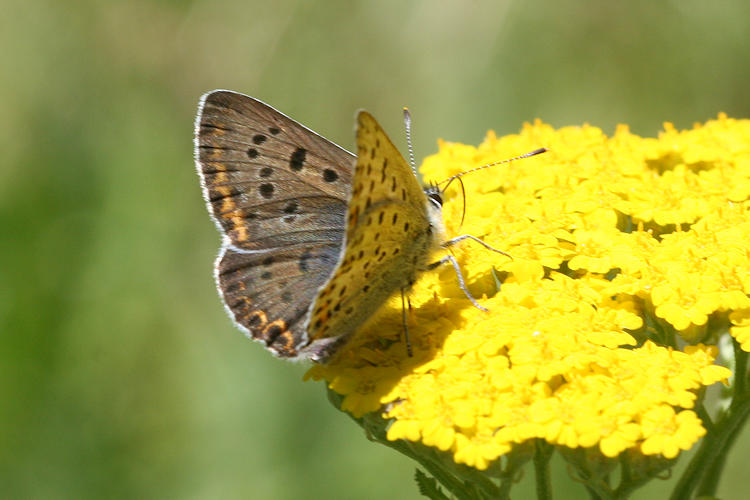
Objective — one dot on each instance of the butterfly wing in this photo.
(268, 181)
(278, 193)
(388, 240)
(269, 295)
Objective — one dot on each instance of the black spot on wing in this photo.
(291, 207)
(330, 175)
(297, 159)
(303, 261)
(266, 190)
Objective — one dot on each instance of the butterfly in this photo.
(314, 239)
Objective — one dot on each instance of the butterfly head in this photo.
(434, 195)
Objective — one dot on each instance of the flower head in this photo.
(622, 249)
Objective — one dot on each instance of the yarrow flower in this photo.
(630, 262)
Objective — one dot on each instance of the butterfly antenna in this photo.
(458, 176)
(461, 174)
(463, 198)
(407, 125)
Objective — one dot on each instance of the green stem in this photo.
(592, 493)
(710, 481)
(627, 483)
(713, 451)
(447, 480)
(515, 461)
(740, 369)
(509, 478)
(542, 456)
(633, 478)
(708, 422)
(463, 482)
(626, 473)
(375, 430)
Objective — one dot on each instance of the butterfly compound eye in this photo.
(436, 197)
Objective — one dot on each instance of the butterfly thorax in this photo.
(434, 210)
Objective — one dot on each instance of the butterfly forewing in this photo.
(278, 192)
(388, 239)
(269, 181)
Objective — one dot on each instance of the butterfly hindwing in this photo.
(268, 295)
(388, 240)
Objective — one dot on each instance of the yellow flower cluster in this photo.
(622, 249)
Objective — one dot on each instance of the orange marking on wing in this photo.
(217, 131)
(277, 323)
(227, 203)
(259, 317)
(288, 339)
(240, 229)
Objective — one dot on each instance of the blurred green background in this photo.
(120, 376)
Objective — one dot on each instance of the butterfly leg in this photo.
(407, 341)
(461, 282)
(457, 239)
